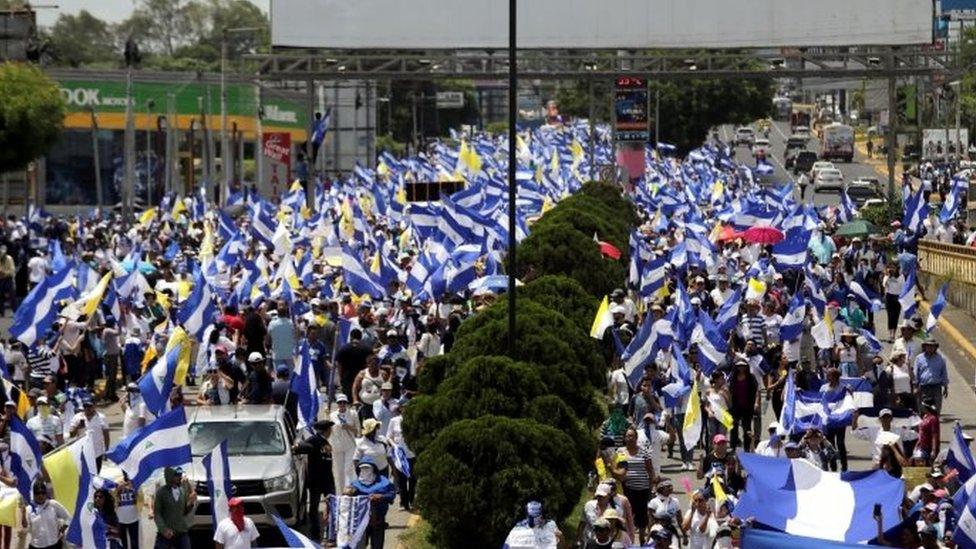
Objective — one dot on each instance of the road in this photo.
(777, 140)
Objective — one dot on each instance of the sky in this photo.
(112, 11)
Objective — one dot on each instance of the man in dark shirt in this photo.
(351, 359)
(258, 381)
(281, 385)
(319, 473)
(255, 330)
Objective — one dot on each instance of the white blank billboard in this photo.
(623, 24)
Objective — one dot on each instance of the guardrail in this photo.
(952, 261)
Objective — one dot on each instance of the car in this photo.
(869, 181)
(820, 165)
(801, 131)
(828, 179)
(745, 136)
(793, 146)
(804, 161)
(267, 475)
(863, 193)
(760, 145)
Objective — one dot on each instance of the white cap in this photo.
(617, 310)
(773, 425)
(603, 490)
(255, 357)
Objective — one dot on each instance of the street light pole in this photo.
(512, 189)
(224, 144)
(149, 107)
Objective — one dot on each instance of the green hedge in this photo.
(488, 385)
(476, 476)
(563, 295)
(560, 249)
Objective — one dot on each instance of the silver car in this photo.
(264, 472)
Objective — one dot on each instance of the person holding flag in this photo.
(318, 471)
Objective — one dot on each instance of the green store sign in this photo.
(188, 99)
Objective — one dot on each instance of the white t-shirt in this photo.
(96, 426)
(130, 421)
(696, 538)
(662, 508)
(37, 269)
(652, 445)
(618, 387)
(232, 538)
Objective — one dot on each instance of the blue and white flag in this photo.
(163, 443)
(916, 210)
(294, 538)
(219, 486)
(157, 383)
(848, 210)
(305, 385)
(199, 311)
(357, 276)
(866, 296)
(320, 128)
(712, 347)
(797, 497)
(959, 456)
(348, 519)
(872, 341)
(791, 252)
(87, 528)
(950, 208)
(936, 309)
(792, 326)
(263, 226)
(907, 297)
(805, 409)
(39, 310)
(728, 314)
(861, 394)
(398, 455)
(650, 338)
(653, 275)
(965, 534)
(25, 456)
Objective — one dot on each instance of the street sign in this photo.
(631, 116)
(450, 100)
(959, 10)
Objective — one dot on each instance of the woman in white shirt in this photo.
(430, 342)
(893, 284)
(699, 522)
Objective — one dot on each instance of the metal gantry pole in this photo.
(512, 183)
(148, 153)
(99, 199)
(224, 147)
(129, 145)
(592, 131)
(890, 138)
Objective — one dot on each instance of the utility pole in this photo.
(149, 107)
(891, 141)
(129, 141)
(258, 138)
(170, 120)
(592, 129)
(225, 155)
(99, 199)
(512, 182)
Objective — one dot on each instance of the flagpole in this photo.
(512, 190)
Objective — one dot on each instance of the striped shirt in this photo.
(754, 328)
(637, 478)
(43, 362)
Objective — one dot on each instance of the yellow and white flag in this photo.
(691, 430)
(602, 320)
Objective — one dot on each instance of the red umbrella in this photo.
(609, 250)
(762, 235)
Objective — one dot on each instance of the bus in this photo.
(837, 142)
(801, 115)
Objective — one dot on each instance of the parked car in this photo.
(745, 136)
(868, 181)
(828, 179)
(267, 476)
(793, 147)
(802, 131)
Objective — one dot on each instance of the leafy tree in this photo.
(477, 475)
(561, 249)
(590, 217)
(31, 114)
(490, 385)
(563, 295)
(573, 99)
(82, 39)
(689, 109)
(610, 195)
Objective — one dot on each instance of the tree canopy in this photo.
(31, 114)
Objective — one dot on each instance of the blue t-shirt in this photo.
(282, 334)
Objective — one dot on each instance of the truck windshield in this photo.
(244, 438)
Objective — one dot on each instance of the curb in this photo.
(411, 522)
(953, 333)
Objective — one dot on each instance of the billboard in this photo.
(276, 168)
(630, 110)
(959, 9)
(623, 24)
